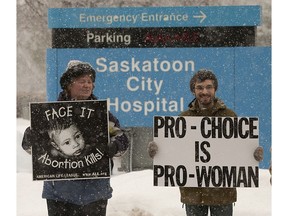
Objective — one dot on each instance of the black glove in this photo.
(28, 139)
(112, 148)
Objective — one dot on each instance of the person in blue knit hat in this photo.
(88, 197)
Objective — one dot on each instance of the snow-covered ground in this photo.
(134, 193)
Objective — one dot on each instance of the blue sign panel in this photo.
(131, 17)
(141, 83)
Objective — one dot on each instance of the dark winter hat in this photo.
(76, 68)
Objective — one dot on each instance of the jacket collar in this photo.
(218, 104)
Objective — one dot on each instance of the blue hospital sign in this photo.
(141, 83)
(132, 17)
(144, 58)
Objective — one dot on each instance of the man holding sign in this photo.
(200, 199)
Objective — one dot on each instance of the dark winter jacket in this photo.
(82, 192)
(208, 196)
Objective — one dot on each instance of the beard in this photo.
(205, 100)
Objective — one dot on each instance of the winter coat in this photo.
(82, 192)
(208, 196)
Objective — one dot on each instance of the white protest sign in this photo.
(206, 151)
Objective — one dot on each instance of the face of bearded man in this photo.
(205, 93)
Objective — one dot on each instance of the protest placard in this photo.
(70, 140)
(206, 151)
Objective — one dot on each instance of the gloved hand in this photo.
(28, 138)
(112, 148)
(152, 149)
(258, 153)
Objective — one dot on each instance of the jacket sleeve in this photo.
(119, 142)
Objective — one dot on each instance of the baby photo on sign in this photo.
(71, 141)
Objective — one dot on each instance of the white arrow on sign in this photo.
(202, 16)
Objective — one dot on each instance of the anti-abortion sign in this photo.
(69, 140)
(206, 151)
